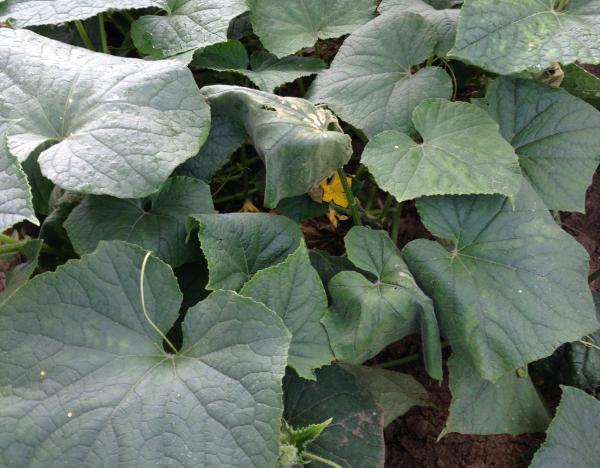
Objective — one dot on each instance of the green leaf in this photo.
(513, 35)
(301, 208)
(293, 290)
(327, 265)
(366, 315)
(510, 287)
(286, 27)
(555, 135)
(85, 379)
(120, 126)
(512, 405)
(443, 18)
(395, 393)
(237, 245)
(572, 438)
(293, 442)
(267, 71)
(156, 223)
(186, 25)
(300, 144)
(19, 274)
(225, 138)
(371, 84)
(26, 13)
(581, 83)
(16, 201)
(462, 153)
(355, 437)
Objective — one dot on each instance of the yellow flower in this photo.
(248, 207)
(333, 191)
(334, 216)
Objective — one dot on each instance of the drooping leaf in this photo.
(555, 135)
(120, 126)
(186, 25)
(18, 275)
(237, 245)
(85, 379)
(293, 290)
(286, 27)
(513, 35)
(572, 438)
(225, 137)
(156, 223)
(327, 265)
(395, 393)
(512, 405)
(371, 84)
(443, 18)
(16, 201)
(462, 153)
(26, 13)
(355, 437)
(300, 144)
(366, 316)
(41, 187)
(581, 83)
(510, 288)
(267, 71)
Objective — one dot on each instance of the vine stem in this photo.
(8, 240)
(84, 35)
(152, 324)
(103, 38)
(315, 457)
(350, 197)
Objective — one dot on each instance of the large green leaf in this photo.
(120, 125)
(16, 201)
(237, 245)
(186, 25)
(510, 287)
(462, 153)
(555, 135)
(354, 439)
(581, 83)
(267, 71)
(300, 144)
(512, 405)
(572, 439)
(85, 380)
(513, 35)
(156, 223)
(372, 84)
(25, 13)
(294, 291)
(286, 27)
(366, 315)
(443, 18)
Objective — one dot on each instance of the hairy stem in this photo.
(84, 35)
(317, 458)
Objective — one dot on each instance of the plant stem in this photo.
(594, 276)
(396, 223)
(404, 360)
(11, 248)
(8, 240)
(84, 35)
(350, 197)
(315, 457)
(386, 207)
(301, 86)
(103, 39)
(128, 16)
(317, 50)
(244, 162)
(235, 196)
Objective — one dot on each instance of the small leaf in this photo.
(512, 35)
(286, 27)
(85, 379)
(512, 405)
(300, 144)
(268, 72)
(366, 315)
(120, 125)
(355, 437)
(555, 135)
(372, 85)
(237, 245)
(293, 290)
(26, 13)
(156, 223)
(187, 25)
(510, 288)
(462, 153)
(18, 275)
(572, 438)
(581, 83)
